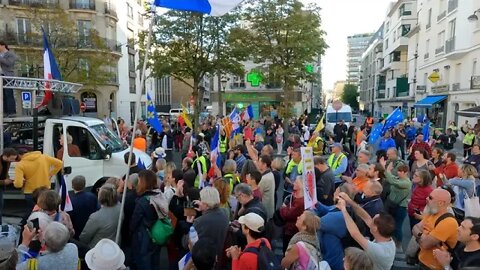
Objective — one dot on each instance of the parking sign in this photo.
(26, 100)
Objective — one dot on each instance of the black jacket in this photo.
(325, 186)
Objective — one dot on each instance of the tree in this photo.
(282, 37)
(84, 58)
(350, 95)
(188, 46)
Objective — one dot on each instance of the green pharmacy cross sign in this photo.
(309, 68)
(254, 78)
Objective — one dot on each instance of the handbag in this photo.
(472, 204)
(411, 254)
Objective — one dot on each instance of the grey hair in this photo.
(210, 197)
(161, 163)
(393, 149)
(376, 187)
(133, 179)
(363, 167)
(56, 236)
(243, 189)
(230, 166)
(365, 152)
(268, 149)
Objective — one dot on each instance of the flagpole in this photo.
(137, 112)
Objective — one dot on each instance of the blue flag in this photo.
(141, 165)
(152, 117)
(215, 146)
(212, 7)
(392, 120)
(426, 131)
(376, 133)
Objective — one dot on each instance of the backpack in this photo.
(162, 229)
(266, 259)
(314, 257)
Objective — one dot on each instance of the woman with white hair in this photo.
(59, 253)
(213, 223)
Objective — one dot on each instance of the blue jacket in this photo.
(331, 232)
(411, 132)
(84, 204)
(385, 144)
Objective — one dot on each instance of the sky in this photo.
(340, 19)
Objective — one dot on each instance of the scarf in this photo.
(306, 238)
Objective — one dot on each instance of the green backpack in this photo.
(162, 229)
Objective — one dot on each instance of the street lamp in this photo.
(224, 81)
(473, 17)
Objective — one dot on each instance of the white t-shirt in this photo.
(382, 254)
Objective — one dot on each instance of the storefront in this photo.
(434, 108)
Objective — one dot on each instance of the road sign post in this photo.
(26, 100)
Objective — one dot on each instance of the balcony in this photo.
(440, 88)
(452, 5)
(456, 87)
(34, 3)
(450, 45)
(82, 4)
(110, 10)
(381, 94)
(442, 15)
(426, 56)
(439, 50)
(475, 82)
(402, 87)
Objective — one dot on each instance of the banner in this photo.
(309, 183)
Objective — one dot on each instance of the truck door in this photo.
(87, 159)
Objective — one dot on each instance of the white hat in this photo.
(159, 153)
(201, 135)
(252, 221)
(106, 255)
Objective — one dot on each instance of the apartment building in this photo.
(447, 78)
(372, 82)
(356, 47)
(401, 18)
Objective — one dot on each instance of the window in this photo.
(386, 43)
(84, 28)
(441, 39)
(427, 46)
(84, 66)
(143, 109)
(395, 56)
(405, 29)
(132, 111)
(474, 67)
(140, 19)
(387, 27)
(129, 11)
(24, 28)
(429, 22)
(163, 91)
(131, 62)
(405, 10)
(131, 85)
(452, 28)
(89, 147)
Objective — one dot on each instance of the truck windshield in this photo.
(335, 117)
(107, 137)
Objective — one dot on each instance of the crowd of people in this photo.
(233, 210)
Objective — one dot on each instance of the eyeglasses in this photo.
(238, 195)
(430, 197)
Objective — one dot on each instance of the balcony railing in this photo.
(440, 50)
(110, 10)
(34, 3)
(82, 4)
(475, 82)
(456, 87)
(452, 5)
(442, 15)
(34, 40)
(450, 45)
(238, 85)
(440, 88)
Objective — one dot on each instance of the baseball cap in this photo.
(339, 145)
(252, 221)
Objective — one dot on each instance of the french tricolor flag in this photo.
(50, 69)
(211, 7)
(247, 115)
(66, 203)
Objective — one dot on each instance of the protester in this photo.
(59, 254)
(72, 149)
(303, 242)
(422, 181)
(49, 202)
(8, 156)
(105, 255)
(292, 208)
(474, 158)
(253, 179)
(248, 203)
(103, 223)
(357, 259)
(338, 162)
(294, 169)
(324, 181)
(83, 205)
(421, 161)
(465, 184)
(267, 184)
(252, 227)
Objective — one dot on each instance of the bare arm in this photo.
(352, 227)
(358, 210)
(291, 256)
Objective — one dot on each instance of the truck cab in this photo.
(101, 150)
(336, 112)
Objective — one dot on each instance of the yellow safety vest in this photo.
(232, 179)
(223, 145)
(318, 149)
(335, 164)
(32, 264)
(203, 161)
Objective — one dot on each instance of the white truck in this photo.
(102, 152)
(336, 112)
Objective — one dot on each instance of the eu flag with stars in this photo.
(376, 133)
(392, 120)
(152, 117)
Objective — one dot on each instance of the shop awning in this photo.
(470, 112)
(429, 101)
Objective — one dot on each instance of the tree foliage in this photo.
(349, 95)
(187, 46)
(84, 59)
(282, 37)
